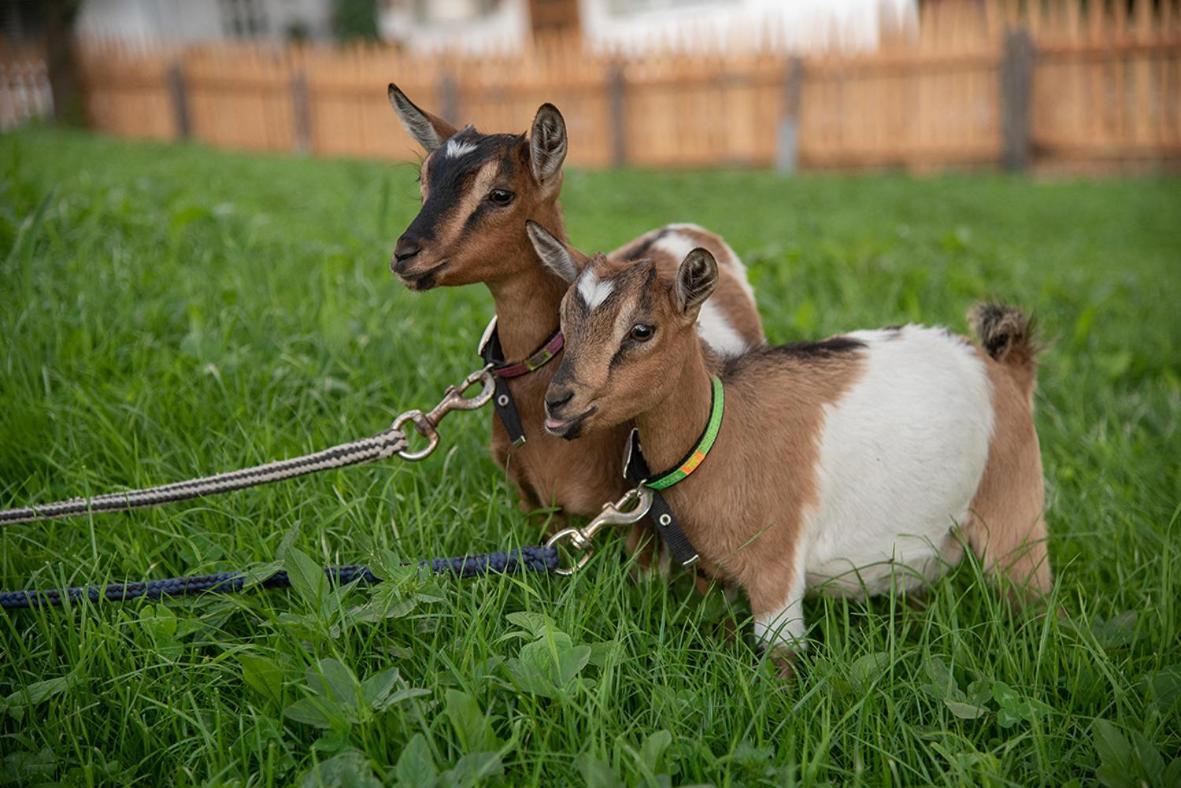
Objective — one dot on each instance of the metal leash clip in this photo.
(629, 509)
(454, 398)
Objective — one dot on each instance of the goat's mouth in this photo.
(423, 280)
(569, 428)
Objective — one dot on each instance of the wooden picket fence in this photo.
(966, 84)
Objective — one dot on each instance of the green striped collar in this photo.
(692, 461)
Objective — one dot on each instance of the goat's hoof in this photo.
(785, 664)
(917, 599)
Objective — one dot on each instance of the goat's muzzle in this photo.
(556, 398)
(556, 424)
(407, 249)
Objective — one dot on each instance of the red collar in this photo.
(490, 350)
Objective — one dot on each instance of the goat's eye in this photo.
(501, 196)
(641, 332)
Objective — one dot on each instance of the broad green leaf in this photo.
(1172, 774)
(942, 683)
(332, 741)
(472, 727)
(333, 681)
(1003, 694)
(378, 690)
(1165, 687)
(37, 693)
(288, 540)
(348, 769)
(601, 651)
(1115, 754)
(159, 621)
(570, 664)
(416, 766)
(333, 607)
(979, 692)
(28, 768)
(867, 668)
(315, 712)
(256, 574)
(1148, 758)
(375, 688)
(965, 711)
(404, 694)
(473, 768)
(307, 578)
(531, 678)
(1116, 631)
(263, 675)
(380, 608)
(536, 624)
(750, 756)
(392, 569)
(533, 670)
(596, 772)
(653, 749)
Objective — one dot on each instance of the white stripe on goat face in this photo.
(594, 291)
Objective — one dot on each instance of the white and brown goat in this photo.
(478, 191)
(856, 464)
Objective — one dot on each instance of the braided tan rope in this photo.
(377, 447)
(384, 444)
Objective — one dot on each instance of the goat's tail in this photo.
(1007, 335)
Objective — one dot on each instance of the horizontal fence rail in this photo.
(987, 83)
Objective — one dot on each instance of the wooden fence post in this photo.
(1016, 100)
(301, 112)
(449, 97)
(787, 149)
(616, 100)
(180, 101)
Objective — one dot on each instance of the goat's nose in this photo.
(555, 399)
(404, 252)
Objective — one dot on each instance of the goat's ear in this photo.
(547, 144)
(429, 130)
(696, 279)
(553, 253)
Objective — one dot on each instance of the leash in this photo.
(381, 446)
(545, 558)
(629, 509)
(527, 559)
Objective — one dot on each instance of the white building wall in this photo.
(792, 25)
(150, 19)
(197, 20)
(454, 24)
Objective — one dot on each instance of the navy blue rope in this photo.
(526, 559)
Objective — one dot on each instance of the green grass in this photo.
(171, 311)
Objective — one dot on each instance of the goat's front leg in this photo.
(778, 609)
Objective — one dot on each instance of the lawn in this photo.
(167, 311)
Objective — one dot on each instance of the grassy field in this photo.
(169, 311)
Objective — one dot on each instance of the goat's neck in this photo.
(527, 306)
(529, 299)
(670, 430)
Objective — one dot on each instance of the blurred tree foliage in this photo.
(353, 19)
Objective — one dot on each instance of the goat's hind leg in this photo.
(1007, 530)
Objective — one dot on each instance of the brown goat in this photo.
(851, 465)
(478, 191)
